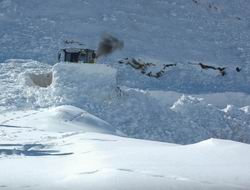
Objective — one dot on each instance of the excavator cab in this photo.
(77, 55)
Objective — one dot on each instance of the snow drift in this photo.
(41, 159)
(58, 119)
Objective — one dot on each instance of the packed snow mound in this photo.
(82, 84)
(67, 84)
(246, 109)
(218, 143)
(58, 119)
(229, 123)
(219, 99)
(17, 89)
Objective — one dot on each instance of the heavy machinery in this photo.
(74, 53)
(77, 55)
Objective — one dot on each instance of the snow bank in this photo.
(17, 89)
(229, 123)
(185, 78)
(83, 84)
(57, 119)
(137, 113)
(220, 100)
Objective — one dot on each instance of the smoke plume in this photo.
(108, 45)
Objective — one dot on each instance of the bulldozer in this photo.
(76, 54)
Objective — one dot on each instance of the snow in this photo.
(177, 31)
(107, 126)
(62, 119)
(68, 134)
(84, 83)
(134, 112)
(220, 99)
(47, 158)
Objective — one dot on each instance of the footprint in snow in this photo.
(148, 174)
(86, 152)
(104, 140)
(89, 172)
(153, 174)
(156, 175)
(125, 170)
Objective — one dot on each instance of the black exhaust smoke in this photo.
(108, 45)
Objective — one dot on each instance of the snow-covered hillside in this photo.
(96, 126)
(174, 30)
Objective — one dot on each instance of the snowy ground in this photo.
(57, 149)
(66, 126)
